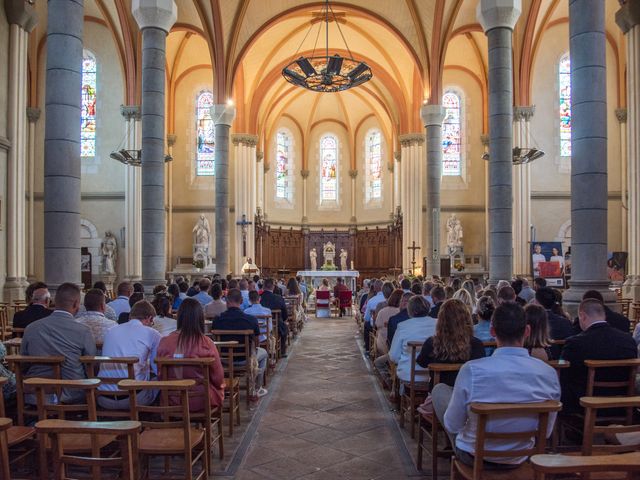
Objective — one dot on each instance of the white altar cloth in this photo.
(315, 277)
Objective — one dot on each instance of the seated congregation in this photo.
(494, 377)
(136, 377)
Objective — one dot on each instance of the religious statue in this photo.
(313, 256)
(109, 252)
(202, 231)
(329, 254)
(454, 233)
(343, 259)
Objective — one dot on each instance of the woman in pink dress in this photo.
(189, 341)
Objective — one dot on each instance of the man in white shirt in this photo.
(94, 317)
(372, 303)
(510, 375)
(244, 290)
(536, 258)
(256, 309)
(121, 304)
(203, 295)
(419, 327)
(135, 338)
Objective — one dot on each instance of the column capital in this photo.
(259, 156)
(523, 113)
(353, 173)
(629, 15)
(432, 114)
(621, 115)
(21, 13)
(223, 114)
(171, 139)
(498, 13)
(304, 173)
(390, 167)
(130, 112)
(397, 155)
(484, 139)
(244, 139)
(33, 114)
(409, 139)
(160, 14)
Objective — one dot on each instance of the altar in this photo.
(314, 277)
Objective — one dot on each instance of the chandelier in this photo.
(132, 157)
(326, 73)
(521, 156)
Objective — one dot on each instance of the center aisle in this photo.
(324, 418)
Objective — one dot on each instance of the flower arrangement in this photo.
(328, 266)
(459, 266)
(198, 263)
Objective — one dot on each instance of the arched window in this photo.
(88, 121)
(283, 186)
(373, 161)
(204, 134)
(564, 84)
(452, 134)
(329, 169)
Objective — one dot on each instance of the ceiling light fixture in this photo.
(327, 73)
(521, 156)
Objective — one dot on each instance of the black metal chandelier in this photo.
(327, 73)
(521, 156)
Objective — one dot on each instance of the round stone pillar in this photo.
(155, 18)
(432, 117)
(223, 116)
(589, 192)
(62, 142)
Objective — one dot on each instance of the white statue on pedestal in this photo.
(343, 259)
(313, 256)
(454, 233)
(201, 239)
(109, 252)
(329, 254)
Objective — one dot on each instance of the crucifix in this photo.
(244, 224)
(413, 249)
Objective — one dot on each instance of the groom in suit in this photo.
(270, 300)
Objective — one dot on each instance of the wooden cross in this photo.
(244, 224)
(413, 249)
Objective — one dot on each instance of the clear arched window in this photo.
(329, 169)
(283, 155)
(452, 134)
(564, 84)
(88, 121)
(204, 134)
(373, 159)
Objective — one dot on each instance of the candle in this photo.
(351, 264)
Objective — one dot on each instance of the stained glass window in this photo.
(88, 115)
(329, 172)
(564, 82)
(374, 164)
(282, 165)
(451, 135)
(204, 134)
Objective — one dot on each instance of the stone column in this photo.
(412, 195)
(171, 141)
(621, 116)
(485, 145)
(589, 203)
(397, 156)
(33, 114)
(223, 116)
(244, 146)
(498, 17)
(155, 18)
(353, 174)
(522, 193)
(432, 117)
(22, 19)
(305, 175)
(628, 19)
(133, 199)
(62, 142)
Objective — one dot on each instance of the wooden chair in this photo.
(553, 465)
(627, 385)
(92, 366)
(232, 390)
(271, 344)
(16, 436)
(485, 411)
(276, 315)
(432, 426)
(323, 303)
(5, 328)
(210, 418)
(345, 302)
(124, 432)
(17, 332)
(293, 303)
(164, 436)
(414, 392)
(13, 345)
(20, 364)
(241, 354)
(5, 425)
(593, 431)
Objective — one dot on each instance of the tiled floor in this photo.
(324, 417)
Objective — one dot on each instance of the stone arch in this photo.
(564, 235)
(90, 239)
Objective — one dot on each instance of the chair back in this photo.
(240, 352)
(561, 465)
(5, 472)
(592, 405)
(612, 378)
(20, 365)
(3, 413)
(485, 411)
(92, 365)
(322, 298)
(5, 330)
(49, 407)
(345, 298)
(125, 432)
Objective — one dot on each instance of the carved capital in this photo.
(498, 13)
(223, 114)
(266, 167)
(621, 115)
(304, 173)
(21, 13)
(171, 139)
(628, 16)
(244, 139)
(353, 173)
(432, 115)
(160, 14)
(397, 156)
(525, 113)
(131, 112)
(412, 139)
(485, 140)
(33, 114)
(259, 156)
